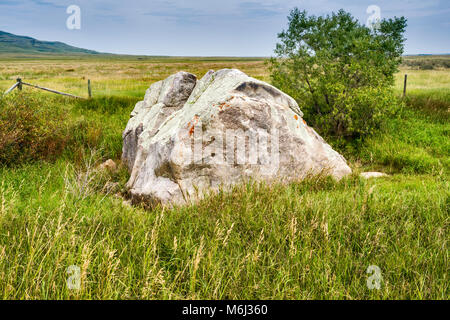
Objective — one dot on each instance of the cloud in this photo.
(48, 4)
(202, 27)
(260, 10)
(10, 3)
(200, 14)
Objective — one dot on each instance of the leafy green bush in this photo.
(340, 72)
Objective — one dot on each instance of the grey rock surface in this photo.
(374, 174)
(189, 137)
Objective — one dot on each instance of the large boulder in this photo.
(188, 137)
(161, 100)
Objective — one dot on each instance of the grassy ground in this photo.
(309, 240)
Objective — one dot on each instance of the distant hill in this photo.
(13, 44)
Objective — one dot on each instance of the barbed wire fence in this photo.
(19, 85)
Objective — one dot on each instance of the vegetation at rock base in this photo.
(305, 240)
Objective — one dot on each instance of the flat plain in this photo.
(313, 239)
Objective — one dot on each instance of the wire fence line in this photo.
(19, 84)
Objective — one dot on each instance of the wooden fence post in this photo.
(404, 85)
(19, 86)
(89, 88)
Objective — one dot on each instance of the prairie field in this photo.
(312, 239)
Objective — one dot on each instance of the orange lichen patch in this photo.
(229, 99)
(224, 105)
(194, 122)
(295, 117)
(304, 122)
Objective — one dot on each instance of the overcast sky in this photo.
(207, 27)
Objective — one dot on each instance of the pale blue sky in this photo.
(206, 27)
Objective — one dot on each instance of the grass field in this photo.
(313, 239)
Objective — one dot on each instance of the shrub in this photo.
(40, 128)
(340, 72)
(30, 130)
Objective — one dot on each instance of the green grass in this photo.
(412, 142)
(313, 239)
(309, 240)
